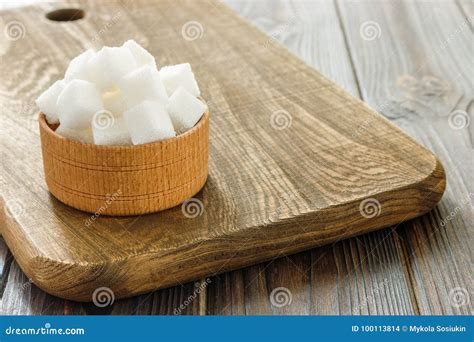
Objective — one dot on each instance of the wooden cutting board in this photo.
(295, 161)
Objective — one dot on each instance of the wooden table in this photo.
(412, 61)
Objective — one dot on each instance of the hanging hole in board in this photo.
(66, 14)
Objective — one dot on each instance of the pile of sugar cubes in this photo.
(117, 96)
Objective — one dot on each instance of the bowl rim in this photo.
(46, 127)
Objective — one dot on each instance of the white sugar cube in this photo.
(114, 133)
(142, 56)
(77, 104)
(77, 68)
(114, 102)
(184, 109)
(47, 101)
(148, 122)
(178, 75)
(143, 84)
(84, 135)
(109, 64)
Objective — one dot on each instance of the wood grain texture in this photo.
(376, 279)
(338, 251)
(355, 276)
(420, 92)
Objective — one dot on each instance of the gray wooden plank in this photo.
(467, 7)
(178, 300)
(6, 259)
(420, 75)
(308, 28)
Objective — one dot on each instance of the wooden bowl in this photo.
(125, 180)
